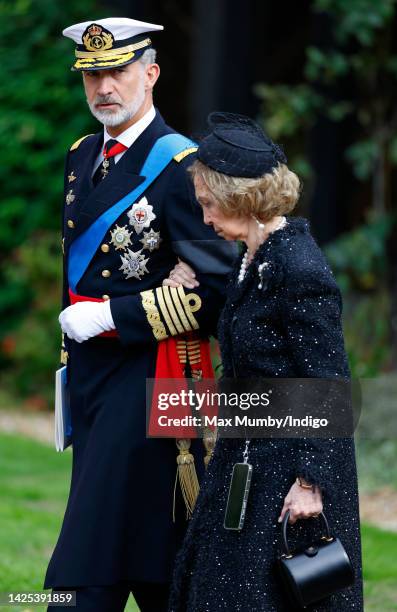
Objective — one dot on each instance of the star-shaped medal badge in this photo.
(133, 264)
(121, 238)
(151, 240)
(141, 215)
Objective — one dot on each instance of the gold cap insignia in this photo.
(96, 38)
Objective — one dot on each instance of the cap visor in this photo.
(104, 63)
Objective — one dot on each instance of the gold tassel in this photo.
(209, 441)
(64, 353)
(188, 350)
(187, 476)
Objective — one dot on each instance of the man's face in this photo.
(115, 95)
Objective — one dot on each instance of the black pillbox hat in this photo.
(238, 146)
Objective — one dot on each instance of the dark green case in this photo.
(238, 495)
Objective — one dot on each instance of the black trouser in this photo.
(150, 597)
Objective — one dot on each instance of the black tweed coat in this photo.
(289, 328)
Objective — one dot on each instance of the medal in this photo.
(133, 264)
(105, 168)
(141, 215)
(151, 240)
(70, 197)
(121, 238)
(72, 177)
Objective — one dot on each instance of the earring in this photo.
(260, 225)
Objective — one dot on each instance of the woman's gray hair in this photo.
(148, 57)
(274, 193)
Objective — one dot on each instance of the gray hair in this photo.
(148, 57)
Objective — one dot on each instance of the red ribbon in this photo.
(168, 367)
(114, 150)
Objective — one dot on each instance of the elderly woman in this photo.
(282, 318)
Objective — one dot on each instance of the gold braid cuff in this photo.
(164, 312)
(152, 315)
(171, 310)
(177, 309)
(190, 308)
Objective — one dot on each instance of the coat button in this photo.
(106, 273)
(106, 297)
(70, 224)
(105, 248)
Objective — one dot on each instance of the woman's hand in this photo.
(182, 274)
(302, 503)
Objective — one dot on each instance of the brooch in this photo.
(271, 271)
(261, 269)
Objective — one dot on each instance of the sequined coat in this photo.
(289, 328)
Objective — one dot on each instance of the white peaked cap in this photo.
(120, 27)
(110, 42)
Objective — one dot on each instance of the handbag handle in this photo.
(287, 553)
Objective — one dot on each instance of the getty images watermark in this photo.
(241, 408)
(196, 400)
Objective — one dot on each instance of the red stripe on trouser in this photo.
(74, 299)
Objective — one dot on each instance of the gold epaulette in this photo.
(76, 144)
(180, 156)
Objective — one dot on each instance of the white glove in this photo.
(85, 320)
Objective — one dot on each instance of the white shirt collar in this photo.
(130, 135)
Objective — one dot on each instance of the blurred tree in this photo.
(344, 109)
(359, 260)
(350, 78)
(43, 112)
(210, 54)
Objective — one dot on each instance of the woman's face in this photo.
(229, 228)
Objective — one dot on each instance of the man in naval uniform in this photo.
(128, 215)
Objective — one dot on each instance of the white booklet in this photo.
(63, 420)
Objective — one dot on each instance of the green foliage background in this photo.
(360, 51)
(43, 113)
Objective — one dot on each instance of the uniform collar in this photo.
(123, 178)
(131, 134)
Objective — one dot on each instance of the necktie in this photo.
(111, 148)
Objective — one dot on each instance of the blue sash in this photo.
(83, 249)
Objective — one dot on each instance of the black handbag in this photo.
(318, 571)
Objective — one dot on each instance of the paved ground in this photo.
(378, 507)
(38, 426)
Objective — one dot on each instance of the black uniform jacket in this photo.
(118, 523)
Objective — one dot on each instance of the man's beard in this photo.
(125, 112)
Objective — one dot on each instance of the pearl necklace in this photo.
(247, 254)
(244, 266)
